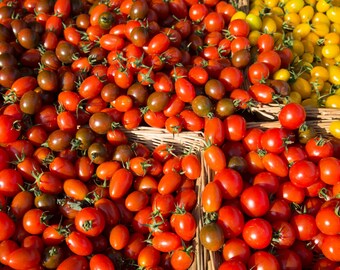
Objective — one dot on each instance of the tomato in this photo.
(166, 241)
(9, 129)
(331, 247)
(231, 220)
(119, 237)
(24, 258)
(90, 221)
(184, 224)
(303, 173)
(212, 197)
(288, 258)
(271, 59)
(262, 93)
(10, 182)
(272, 140)
(329, 172)
(8, 227)
(284, 234)
(256, 229)
(263, 260)
(267, 180)
(304, 226)
(258, 72)
(191, 166)
(120, 183)
(328, 221)
(6, 248)
(236, 248)
(21, 203)
(149, 257)
(252, 139)
(75, 262)
(292, 116)
(254, 201)
(136, 201)
(275, 164)
(211, 236)
(79, 244)
(101, 262)
(169, 183)
(182, 258)
(318, 148)
(231, 78)
(158, 44)
(191, 121)
(215, 158)
(235, 127)
(232, 264)
(214, 131)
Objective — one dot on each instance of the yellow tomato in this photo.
(334, 75)
(322, 5)
(301, 31)
(256, 10)
(278, 38)
(310, 103)
(308, 45)
(278, 21)
(330, 51)
(295, 97)
(318, 52)
(335, 27)
(294, 6)
(253, 37)
(292, 19)
(254, 22)
(337, 60)
(308, 57)
(271, 3)
(268, 25)
(317, 83)
(298, 47)
(282, 74)
(320, 72)
(332, 38)
(333, 101)
(306, 14)
(334, 129)
(311, 2)
(321, 29)
(278, 11)
(320, 18)
(303, 87)
(334, 14)
(328, 61)
(312, 37)
(239, 15)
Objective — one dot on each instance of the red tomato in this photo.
(235, 127)
(231, 220)
(120, 183)
(101, 262)
(257, 233)
(304, 173)
(284, 234)
(211, 197)
(231, 78)
(24, 258)
(327, 220)
(34, 221)
(149, 257)
(214, 131)
(185, 90)
(304, 226)
(6, 248)
(191, 166)
(75, 262)
(275, 164)
(292, 116)
(263, 260)
(258, 73)
(166, 241)
(271, 59)
(291, 192)
(182, 258)
(215, 158)
(232, 265)
(265, 43)
(272, 140)
(9, 129)
(90, 221)
(10, 182)
(236, 248)
(169, 183)
(184, 224)
(261, 93)
(230, 183)
(239, 28)
(318, 148)
(331, 247)
(254, 201)
(329, 170)
(158, 44)
(119, 237)
(7, 227)
(79, 244)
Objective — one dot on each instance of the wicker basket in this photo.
(184, 141)
(270, 112)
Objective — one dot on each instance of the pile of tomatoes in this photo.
(75, 193)
(273, 199)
